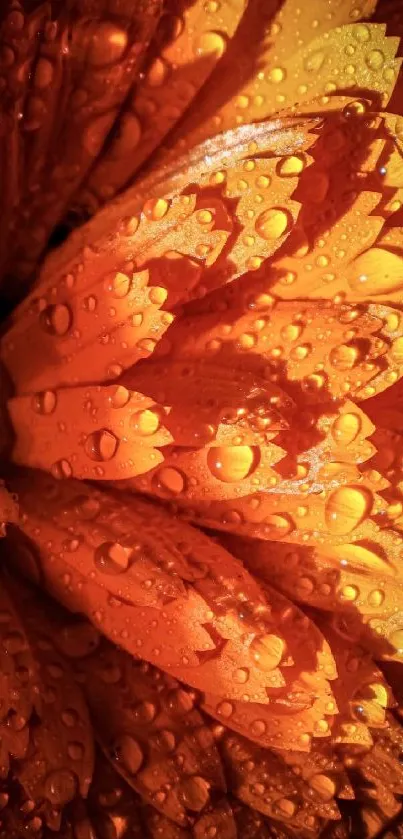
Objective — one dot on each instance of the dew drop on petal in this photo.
(113, 558)
(194, 793)
(145, 422)
(61, 787)
(101, 445)
(168, 481)
(232, 463)
(345, 509)
(272, 223)
(267, 651)
(56, 319)
(128, 753)
(346, 428)
(45, 402)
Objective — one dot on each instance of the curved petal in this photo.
(57, 759)
(173, 595)
(189, 43)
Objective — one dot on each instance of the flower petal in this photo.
(262, 86)
(173, 595)
(148, 726)
(104, 51)
(189, 42)
(58, 762)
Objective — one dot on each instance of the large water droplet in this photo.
(194, 792)
(314, 61)
(267, 651)
(61, 787)
(346, 428)
(210, 42)
(145, 422)
(345, 508)
(78, 639)
(56, 319)
(101, 445)
(45, 402)
(168, 481)
(324, 786)
(232, 463)
(128, 753)
(120, 397)
(375, 60)
(344, 357)
(272, 223)
(113, 558)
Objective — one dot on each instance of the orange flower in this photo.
(202, 419)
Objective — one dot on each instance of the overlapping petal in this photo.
(167, 592)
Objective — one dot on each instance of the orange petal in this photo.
(59, 763)
(105, 49)
(174, 596)
(148, 726)
(252, 85)
(313, 350)
(287, 798)
(189, 43)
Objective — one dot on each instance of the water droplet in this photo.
(285, 807)
(45, 402)
(346, 428)
(119, 285)
(344, 357)
(346, 508)
(324, 786)
(210, 42)
(168, 481)
(101, 445)
(180, 702)
(56, 319)
(301, 352)
(241, 675)
(145, 422)
(14, 643)
(75, 750)
(113, 558)
(164, 740)
(156, 208)
(225, 709)
(194, 793)
(291, 332)
(267, 651)
(120, 397)
(258, 728)
(60, 787)
(157, 73)
(291, 166)
(376, 597)
(277, 74)
(62, 469)
(77, 639)
(87, 507)
(128, 753)
(69, 718)
(349, 593)
(90, 303)
(361, 33)
(232, 463)
(272, 223)
(314, 61)
(375, 60)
